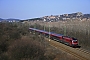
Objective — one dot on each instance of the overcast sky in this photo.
(24, 9)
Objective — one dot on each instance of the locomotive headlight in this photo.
(74, 41)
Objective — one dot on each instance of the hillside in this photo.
(9, 20)
(64, 17)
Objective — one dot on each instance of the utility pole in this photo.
(49, 30)
(34, 27)
(44, 34)
(44, 24)
(65, 30)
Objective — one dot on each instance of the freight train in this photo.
(70, 41)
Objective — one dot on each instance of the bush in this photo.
(26, 49)
(3, 57)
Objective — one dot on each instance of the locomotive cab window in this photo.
(74, 38)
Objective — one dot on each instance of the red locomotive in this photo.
(58, 37)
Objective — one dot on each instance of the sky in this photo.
(27, 9)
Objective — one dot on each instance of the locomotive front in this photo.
(74, 42)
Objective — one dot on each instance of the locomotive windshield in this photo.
(74, 38)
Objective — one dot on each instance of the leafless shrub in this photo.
(77, 29)
(26, 49)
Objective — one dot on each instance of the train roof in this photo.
(52, 33)
(55, 34)
(59, 35)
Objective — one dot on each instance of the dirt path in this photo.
(79, 53)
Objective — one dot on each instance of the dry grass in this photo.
(77, 29)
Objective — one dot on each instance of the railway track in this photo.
(79, 53)
(83, 50)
